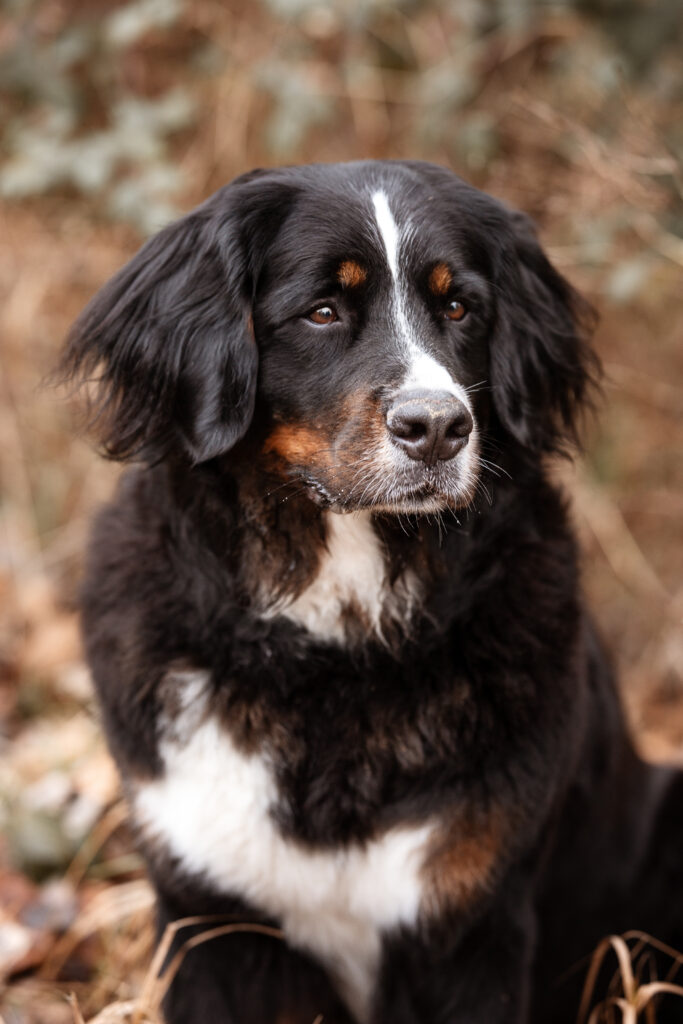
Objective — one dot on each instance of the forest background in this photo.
(115, 118)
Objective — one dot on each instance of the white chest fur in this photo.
(211, 809)
(351, 574)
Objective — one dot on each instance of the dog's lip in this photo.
(318, 493)
(423, 498)
(426, 492)
(411, 502)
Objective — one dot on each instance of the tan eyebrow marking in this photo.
(440, 279)
(351, 274)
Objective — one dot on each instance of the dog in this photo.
(334, 616)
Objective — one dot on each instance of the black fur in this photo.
(491, 709)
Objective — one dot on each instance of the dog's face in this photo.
(369, 327)
(371, 319)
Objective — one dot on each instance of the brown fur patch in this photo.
(352, 430)
(351, 274)
(465, 860)
(361, 424)
(440, 279)
(251, 722)
(299, 444)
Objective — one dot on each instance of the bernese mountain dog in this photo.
(334, 615)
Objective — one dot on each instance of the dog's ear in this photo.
(543, 370)
(168, 344)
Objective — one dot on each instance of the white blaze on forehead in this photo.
(423, 371)
(391, 236)
(388, 231)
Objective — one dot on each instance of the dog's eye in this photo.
(455, 311)
(323, 315)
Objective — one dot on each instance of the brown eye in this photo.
(322, 316)
(455, 310)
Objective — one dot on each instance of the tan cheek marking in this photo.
(464, 861)
(361, 426)
(298, 444)
(351, 274)
(333, 448)
(440, 279)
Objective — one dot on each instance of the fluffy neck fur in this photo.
(278, 551)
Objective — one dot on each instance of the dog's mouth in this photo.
(437, 490)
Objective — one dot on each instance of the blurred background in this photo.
(117, 117)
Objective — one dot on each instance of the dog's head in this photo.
(369, 326)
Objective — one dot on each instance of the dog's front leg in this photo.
(242, 977)
(480, 977)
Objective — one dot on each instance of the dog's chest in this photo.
(212, 810)
(351, 580)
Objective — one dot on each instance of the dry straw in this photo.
(146, 1008)
(635, 1002)
(635, 998)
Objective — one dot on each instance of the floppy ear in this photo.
(168, 342)
(543, 370)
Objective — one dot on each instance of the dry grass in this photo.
(146, 1008)
(630, 999)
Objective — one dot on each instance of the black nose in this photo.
(430, 426)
